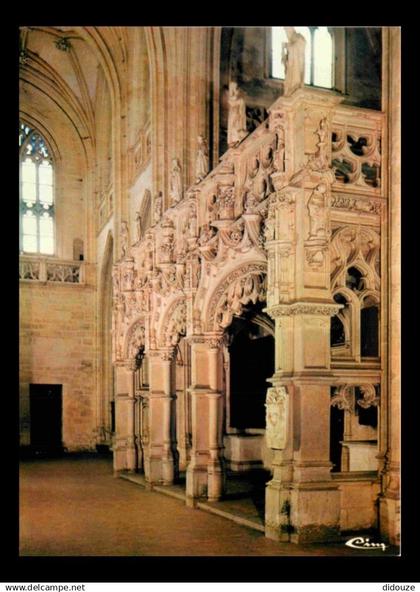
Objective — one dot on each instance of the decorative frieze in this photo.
(353, 204)
(298, 308)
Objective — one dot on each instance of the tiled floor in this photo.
(75, 507)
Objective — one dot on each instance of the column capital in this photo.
(303, 308)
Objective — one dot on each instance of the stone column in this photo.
(389, 502)
(205, 474)
(302, 501)
(125, 451)
(214, 467)
(159, 461)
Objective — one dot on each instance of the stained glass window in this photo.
(36, 193)
(318, 55)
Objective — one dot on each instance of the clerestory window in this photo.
(36, 193)
(318, 55)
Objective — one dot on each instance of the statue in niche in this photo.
(138, 226)
(124, 239)
(175, 183)
(279, 155)
(317, 207)
(158, 209)
(237, 115)
(293, 59)
(202, 162)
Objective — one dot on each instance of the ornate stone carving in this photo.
(177, 325)
(125, 241)
(281, 310)
(293, 59)
(357, 246)
(63, 44)
(280, 153)
(318, 213)
(246, 289)
(369, 396)
(202, 160)
(127, 274)
(63, 273)
(237, 115)
(276, 417)
(176, 190)
(357, 205)
(167, 241)
(158, 208)
(29, 270)
(343, 398)
(320, 161)
(138, 226)
(136, 339)
(226, 202)
(356, 157)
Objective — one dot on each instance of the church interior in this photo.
(209, 287)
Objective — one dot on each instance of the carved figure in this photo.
(176, 182)
(202, 162)
(237, 115)
(158, 209)
(138, 226)
(317, 207)
(124, 239)
(293, 59)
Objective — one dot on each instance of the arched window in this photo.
(36, 193)
(318, 55)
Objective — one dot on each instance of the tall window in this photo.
(318, 55)
(36, 193)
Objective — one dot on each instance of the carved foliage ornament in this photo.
(343, 398)
(177, 325)
(249, 288)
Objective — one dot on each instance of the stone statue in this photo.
(138, 226)
(124, 239)
(317, 207)
(293, 59)
(202, 162)
(158, 209)
(176, 182)
(237, 115)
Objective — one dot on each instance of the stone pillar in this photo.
(302, 501)
(205, 472)
(125, 450)
(159, 461)
(389, 502)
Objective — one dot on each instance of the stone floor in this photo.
(75, 507)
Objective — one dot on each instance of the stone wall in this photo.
(57, 346)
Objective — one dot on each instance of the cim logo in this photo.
(364, 543)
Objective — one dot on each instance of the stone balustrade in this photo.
(43, 269)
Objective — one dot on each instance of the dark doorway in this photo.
(252, 362)
(46, 419)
